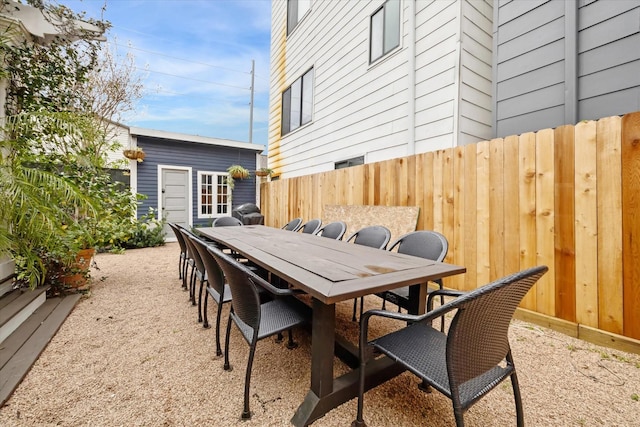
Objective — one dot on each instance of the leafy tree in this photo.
(56, 195)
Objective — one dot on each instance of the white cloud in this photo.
(199, 54)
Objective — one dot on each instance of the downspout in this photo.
(458, 77)
(411, 80)
(571, 62)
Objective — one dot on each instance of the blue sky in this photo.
(197, 56)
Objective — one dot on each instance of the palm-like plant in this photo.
(35, 201)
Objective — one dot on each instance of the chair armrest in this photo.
(259, 281)
(411, 318)
(442, 292)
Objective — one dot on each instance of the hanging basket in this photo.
(263, 172)
(134, 154)
(238, 172)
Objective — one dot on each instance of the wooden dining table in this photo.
(332, 271)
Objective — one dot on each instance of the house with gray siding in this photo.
(391, 78)
(184, 177)
(559, 62)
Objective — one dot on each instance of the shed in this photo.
(185, 176)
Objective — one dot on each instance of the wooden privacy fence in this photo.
(568, 198)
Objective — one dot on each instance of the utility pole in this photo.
(253, 75)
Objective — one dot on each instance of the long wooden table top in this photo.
(329, 270)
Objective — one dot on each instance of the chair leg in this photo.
(361, 306)
(355, 308)
(185, 269)
(200, 301)
(457, 412)
(516, 392)
(180, 267)
(291, 344)
(205, 323)
(192, 285)
(518, 400)
(227, 366)
(218, 319)
(246, 413)
(425, 387)
(359, 421)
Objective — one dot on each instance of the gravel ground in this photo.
(133, 354)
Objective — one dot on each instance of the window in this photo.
(297, 103)
(385, 29)
(350, 162)
(214, 195)
(296, 9)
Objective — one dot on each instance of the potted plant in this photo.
(238, 172)
(264, 172)
(135, 153)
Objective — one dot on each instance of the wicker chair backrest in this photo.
(179, 237)
(478, 336)
(375, 236)
(193, 252)
(226, 221)
(424, 243)
(215, 276)
(246, 301)
(293, 225)
(311, 227)
(333, 230)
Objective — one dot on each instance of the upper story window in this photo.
(297, 103)
(296, 9)
(214, 195)
(385, 29)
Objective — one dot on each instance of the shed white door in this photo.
(175, 197)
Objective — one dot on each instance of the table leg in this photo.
(327, 393)
(418, 298)
(322, 344)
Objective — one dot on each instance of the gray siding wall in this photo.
(200, 157)
(558, 62)
(530, 65)
(608, 58)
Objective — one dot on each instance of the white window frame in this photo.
(301, 9)
(214, 213)
(385, 50)
(303, 107)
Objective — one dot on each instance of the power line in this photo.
(157, 90)
(181, 59)
(191, 78)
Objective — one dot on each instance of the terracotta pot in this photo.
(83, 262)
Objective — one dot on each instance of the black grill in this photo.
(249, 214)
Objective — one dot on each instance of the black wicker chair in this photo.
(216, 287)
(254, 319)
(182, 261)
(375, 236)
(333, 230)
(474, 355)
(293, 225)
(198, 272)
(425, 244)
(226, 221)
(311, 227)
